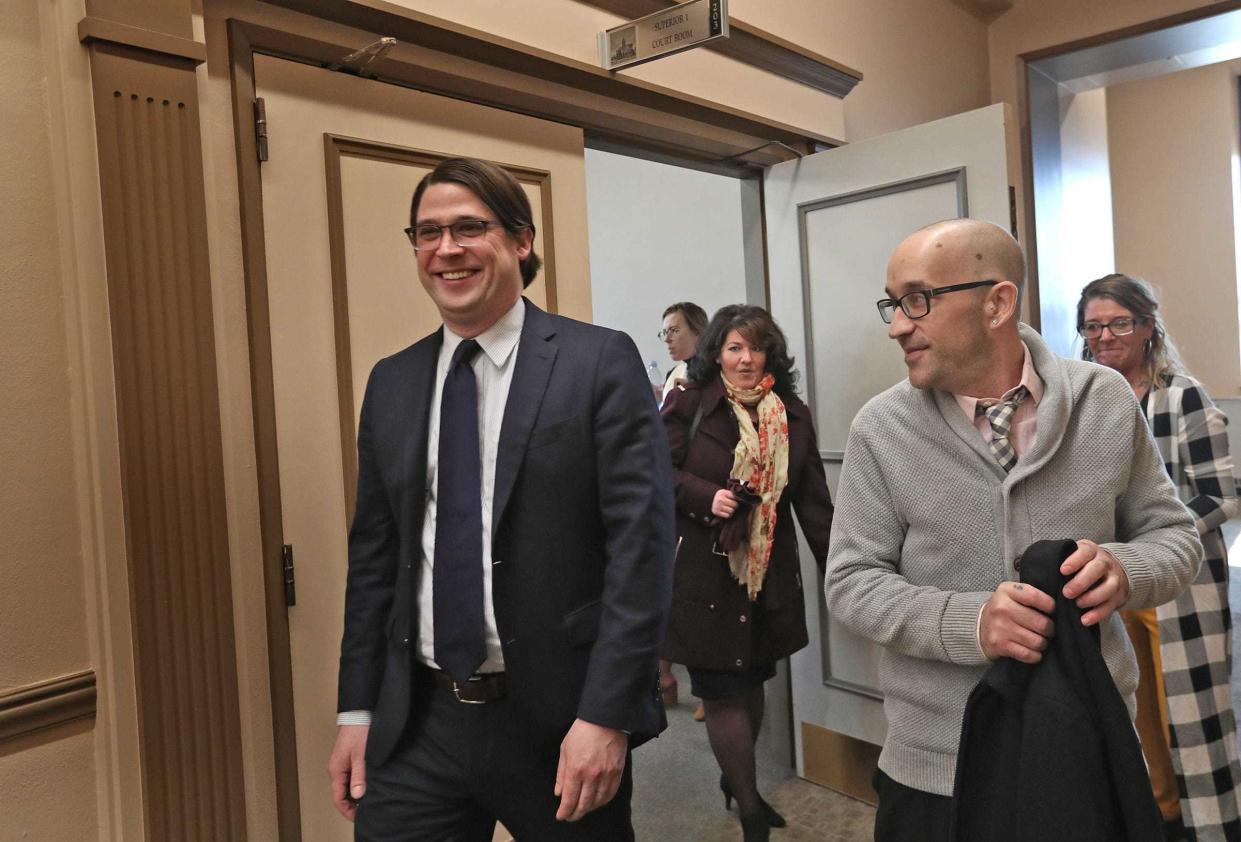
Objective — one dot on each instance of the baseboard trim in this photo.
(839, 762)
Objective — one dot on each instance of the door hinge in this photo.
(290, 587)
(1012, 210)
(260, 128)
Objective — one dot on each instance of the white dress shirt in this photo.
(493, 371)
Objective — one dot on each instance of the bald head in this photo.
(965, 249)
(965, 339)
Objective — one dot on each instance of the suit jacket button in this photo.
(743, 618)
(692, 515)
(405, 641)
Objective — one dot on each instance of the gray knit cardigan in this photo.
(928, 525)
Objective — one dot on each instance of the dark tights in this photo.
(732, 728)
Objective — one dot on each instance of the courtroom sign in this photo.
(670, 31)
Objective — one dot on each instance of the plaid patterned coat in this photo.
(1195, 630)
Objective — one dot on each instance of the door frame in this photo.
(649, 119)
(1027, 138)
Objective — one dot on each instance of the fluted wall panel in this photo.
(163, 343)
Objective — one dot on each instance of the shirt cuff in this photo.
(353, 717)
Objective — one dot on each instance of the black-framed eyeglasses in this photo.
(917, 304)
(668, 332)
(1123, 326)
(464, 232)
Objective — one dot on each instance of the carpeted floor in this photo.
(677, 796)
(676, 790)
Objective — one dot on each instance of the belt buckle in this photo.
(456, 691)
(715, 548)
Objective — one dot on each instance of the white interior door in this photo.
(833, 219)
(345, 154)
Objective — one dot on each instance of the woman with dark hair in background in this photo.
(1184, 648)
(745, 457)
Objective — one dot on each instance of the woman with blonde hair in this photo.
(1184, 648)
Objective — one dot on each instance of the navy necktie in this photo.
(457, 592)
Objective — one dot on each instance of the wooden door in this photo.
(344, 155)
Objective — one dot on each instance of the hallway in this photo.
(677, 797)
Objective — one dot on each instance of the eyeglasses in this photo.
(465, 233)
(917, 304)
(668, 332)
(1119, 327)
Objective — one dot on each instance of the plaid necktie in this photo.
(1000, 414)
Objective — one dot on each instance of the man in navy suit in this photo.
(510, 558)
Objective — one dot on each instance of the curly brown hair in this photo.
(757, 326)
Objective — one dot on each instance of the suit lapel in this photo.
(536, 354)
(421, 391)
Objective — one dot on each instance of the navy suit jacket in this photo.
(583, 525)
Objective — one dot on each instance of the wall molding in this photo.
(46, 704)
(99, 29)
(758, 48)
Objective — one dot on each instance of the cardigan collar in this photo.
(1054, 410)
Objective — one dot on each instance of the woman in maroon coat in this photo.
(745, 457)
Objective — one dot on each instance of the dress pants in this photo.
(910, 815)
(460, 767)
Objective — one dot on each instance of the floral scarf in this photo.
(761, 460)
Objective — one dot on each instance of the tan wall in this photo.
(1038, 24)
(908, 77)
(920, 61)
(49, 780)
(49, 785)
(1172, 204)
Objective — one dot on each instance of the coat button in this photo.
(405, 641)
(743, 618)
(711, 606)
(692, 515)
(738, 662)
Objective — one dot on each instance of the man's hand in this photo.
(1099, 583)
(1015, 624)
(723, 504)
(347, 768)
(592, 759)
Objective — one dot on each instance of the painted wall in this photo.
(49, 778)
(660, 234)
(1037, 24)
(908, 78)
(1173, 204)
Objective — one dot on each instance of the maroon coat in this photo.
(712, 625)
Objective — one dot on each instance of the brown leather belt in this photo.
(479, 690)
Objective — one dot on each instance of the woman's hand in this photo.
(724, 504)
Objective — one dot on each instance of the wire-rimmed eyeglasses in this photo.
(464, 232)
(917, 304)
(668, 333)
(1122, 326)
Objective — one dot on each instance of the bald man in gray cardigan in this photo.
(992, 443)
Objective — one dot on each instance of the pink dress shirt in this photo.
(1025, 419)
